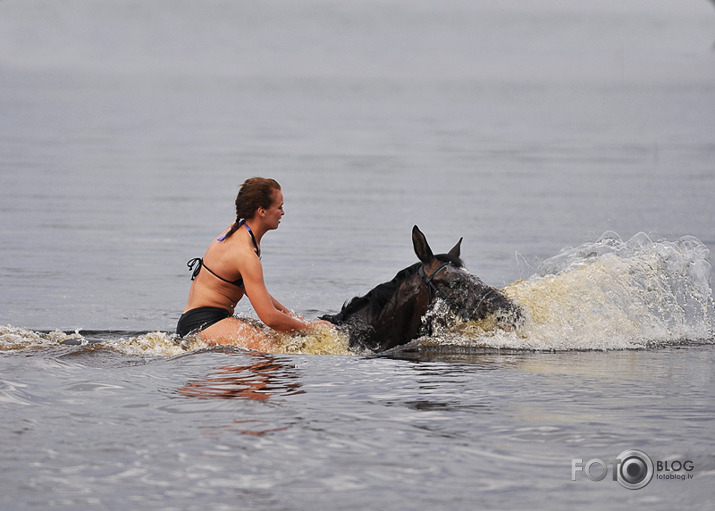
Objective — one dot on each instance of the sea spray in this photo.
(607, 294)
(13, 338)
(321, 340)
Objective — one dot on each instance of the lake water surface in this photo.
(570, 144)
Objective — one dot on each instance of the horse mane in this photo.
(378, 297)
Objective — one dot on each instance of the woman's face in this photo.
(274, 213)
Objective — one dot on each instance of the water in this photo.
(531, 131)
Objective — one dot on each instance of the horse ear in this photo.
(422, 248)
(456, 249)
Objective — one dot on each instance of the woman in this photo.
(231, 268)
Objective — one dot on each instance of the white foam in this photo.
(13, 338)
(608, 294)
(319, 341)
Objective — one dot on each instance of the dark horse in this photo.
(393, 313)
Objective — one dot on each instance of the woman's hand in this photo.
(320, 323)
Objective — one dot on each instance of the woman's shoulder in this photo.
(238, 245)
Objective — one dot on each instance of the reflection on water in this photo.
(258, 381)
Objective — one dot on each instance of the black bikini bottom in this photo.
(199, 318)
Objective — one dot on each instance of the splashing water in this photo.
(608, 294)
(144, 344)
(12, 338)
(319, 341)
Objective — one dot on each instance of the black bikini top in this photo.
(196, 263)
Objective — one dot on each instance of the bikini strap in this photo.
(253, 238)
(198, 263)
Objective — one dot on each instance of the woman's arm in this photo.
(280, 307)
(269, 310)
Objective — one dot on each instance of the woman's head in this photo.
(255, 194)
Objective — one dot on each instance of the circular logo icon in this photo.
(635, 469)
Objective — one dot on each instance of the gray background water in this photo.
(125, 131)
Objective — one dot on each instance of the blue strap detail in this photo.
(242, 222)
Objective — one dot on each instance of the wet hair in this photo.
(256, 192)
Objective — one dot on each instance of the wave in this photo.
(130, 343)
(607, 294)
(322, 341)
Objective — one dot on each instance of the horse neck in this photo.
(402, 315)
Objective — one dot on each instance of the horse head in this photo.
(464, 294)
(394, 313)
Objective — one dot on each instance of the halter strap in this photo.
(253, 238)
(427, 280)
